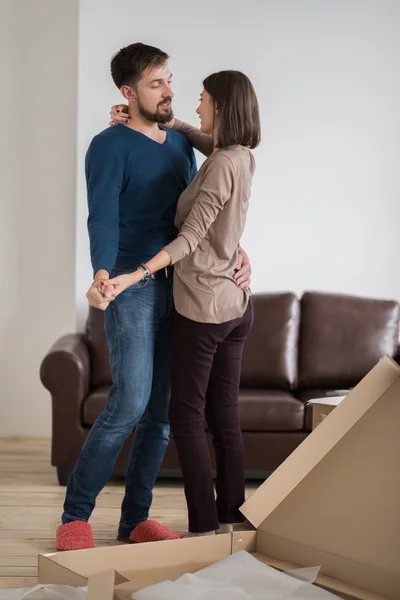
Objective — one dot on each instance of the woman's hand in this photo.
(114, 287)
(119, 113)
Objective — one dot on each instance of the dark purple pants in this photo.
(206, 364)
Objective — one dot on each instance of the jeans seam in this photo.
(129, 475)
(105, 423)
(133, 461)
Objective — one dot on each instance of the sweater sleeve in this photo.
(215, 191)
(104, 178)
(201, 141)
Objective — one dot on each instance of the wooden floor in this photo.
(31, 505)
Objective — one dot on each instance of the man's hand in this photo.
(119, 113)
(96, 297)
(243, 270)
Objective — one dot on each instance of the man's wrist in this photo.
(101, 275)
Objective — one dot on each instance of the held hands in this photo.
(104, 291)
(95, 295)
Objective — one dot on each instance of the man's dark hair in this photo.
(129, 64)
(239, 118)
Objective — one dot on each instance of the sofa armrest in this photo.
(66, 366)
(65, 372)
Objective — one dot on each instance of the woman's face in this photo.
(206, 112)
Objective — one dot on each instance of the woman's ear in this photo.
(128, 93)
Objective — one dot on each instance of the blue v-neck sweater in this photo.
(133, 185)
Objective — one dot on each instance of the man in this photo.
(135, 175)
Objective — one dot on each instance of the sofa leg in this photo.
(63, 475)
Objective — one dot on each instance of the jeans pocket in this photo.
(137, 286)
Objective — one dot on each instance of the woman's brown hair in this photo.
(239, 118)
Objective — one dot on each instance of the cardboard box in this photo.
(334, 502)
(322, 407)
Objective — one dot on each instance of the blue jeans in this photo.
(138, 327)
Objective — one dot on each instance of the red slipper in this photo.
(76, 535)
(151, 531)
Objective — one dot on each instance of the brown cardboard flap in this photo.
(328, 583)
(101, 585)
(320, 442)
(172, 564)
(348, 506)
(343, 513)
(338, 573)
(51, 572)
(139, 565)
(244, 540)
(125, 558)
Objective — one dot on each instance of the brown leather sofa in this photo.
(319, 345)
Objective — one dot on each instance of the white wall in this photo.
(38, 55)
(325, 210)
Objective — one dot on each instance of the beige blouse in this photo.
(211, 216)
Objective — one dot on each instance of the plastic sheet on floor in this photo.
(44, 592)
(239, 577)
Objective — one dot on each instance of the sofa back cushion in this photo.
(98, 349)
(270, 354)
(342, 337)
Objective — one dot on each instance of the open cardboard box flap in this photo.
(327, 401)
(321, 407)
(334, 502)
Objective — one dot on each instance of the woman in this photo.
(214, 315)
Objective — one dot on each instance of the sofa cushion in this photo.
(270, 354)
(260, 410)
(270, 410)
(342, 338)
(98, 349)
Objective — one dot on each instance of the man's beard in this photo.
(156, 117)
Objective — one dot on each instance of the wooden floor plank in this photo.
(18, 582)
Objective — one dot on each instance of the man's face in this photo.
(154, 95)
